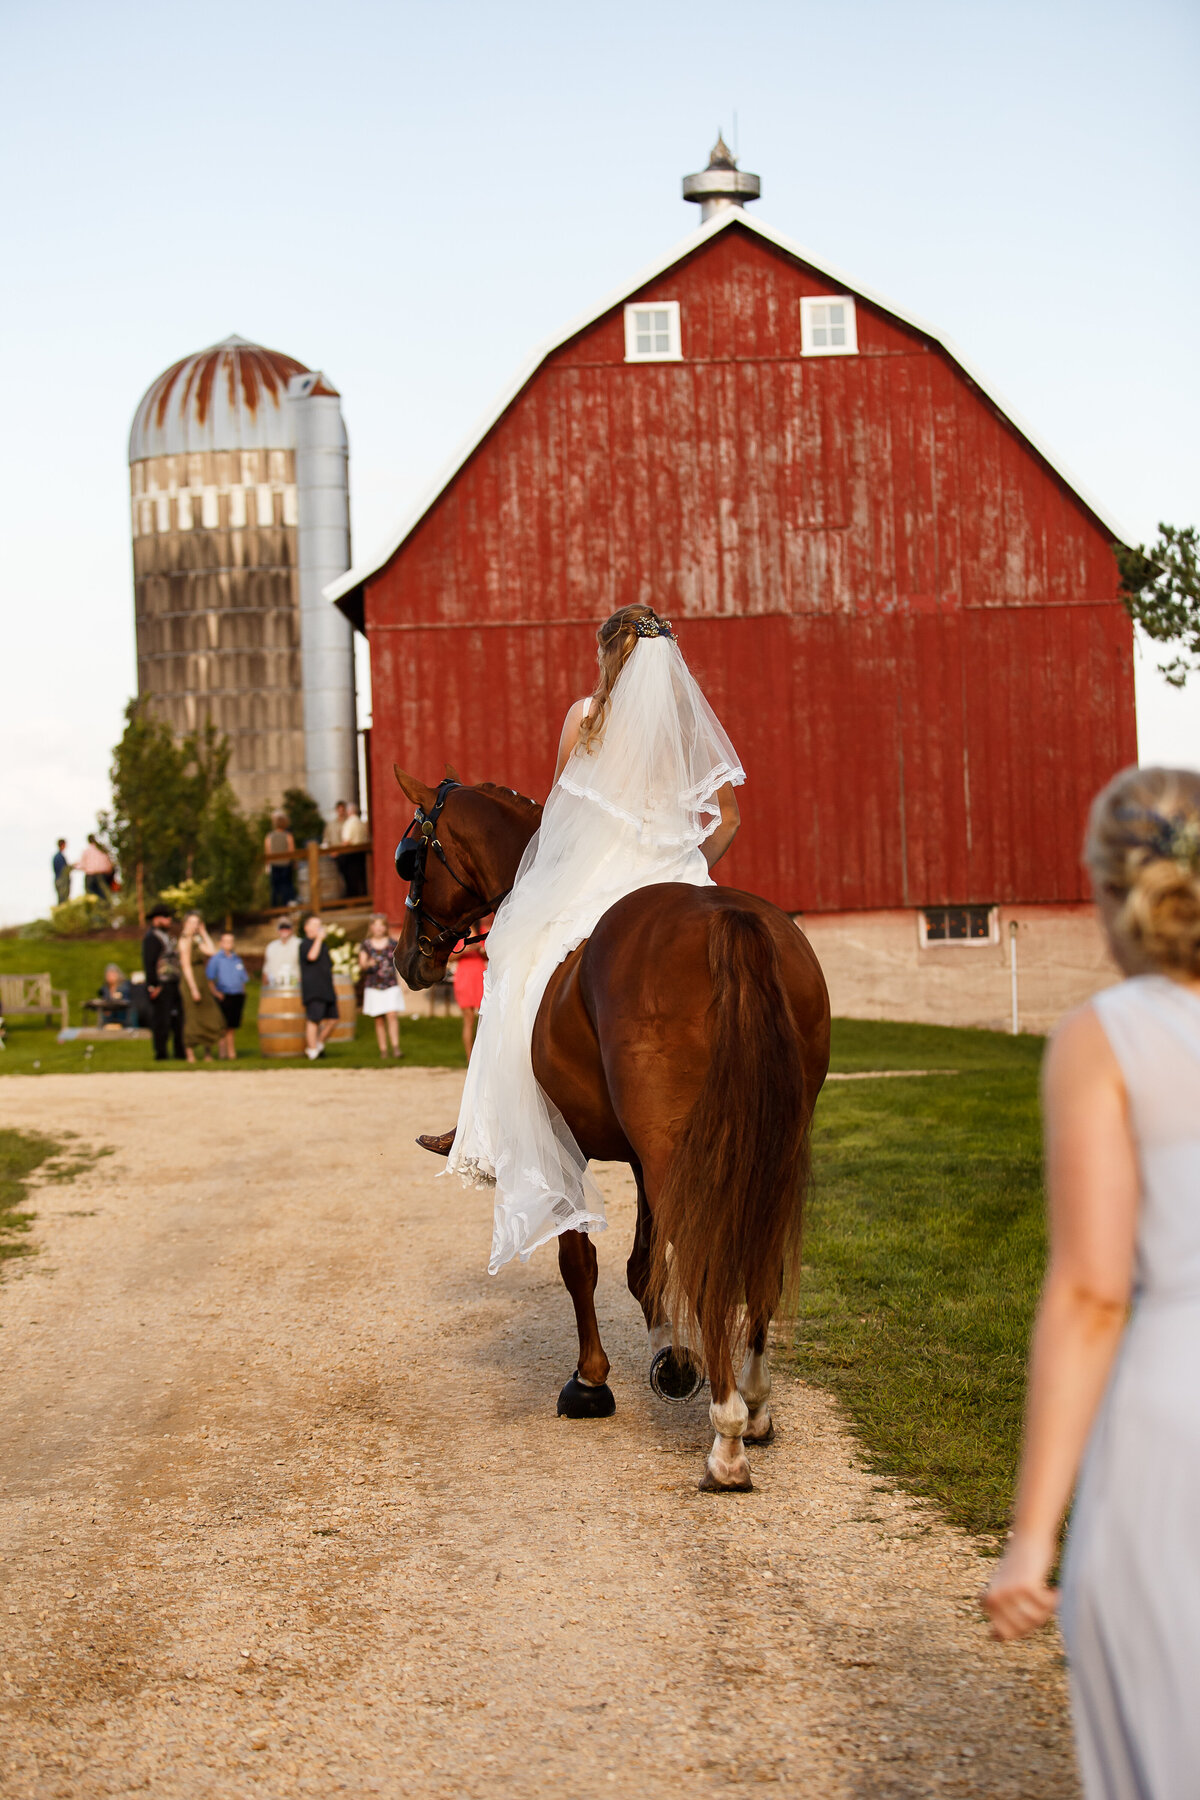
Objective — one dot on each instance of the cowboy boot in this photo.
(440, 1144)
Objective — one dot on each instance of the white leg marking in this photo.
(660, 1337)
(754, 1385)
(729, 1418)
(727, 1463)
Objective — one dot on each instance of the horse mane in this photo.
(495, 792)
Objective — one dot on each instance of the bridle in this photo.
(412, 856)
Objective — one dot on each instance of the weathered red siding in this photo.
(908, 623)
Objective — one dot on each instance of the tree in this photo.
(304, 817)
(147, 777)
(1161, 591)
(228, 855)
(205, 757)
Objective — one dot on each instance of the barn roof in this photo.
(346, 592)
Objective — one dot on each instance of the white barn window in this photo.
(828, 326)
(964, 925)
(652, 332)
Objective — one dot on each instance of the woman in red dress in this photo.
(468, 989)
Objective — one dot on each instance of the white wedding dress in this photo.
(632, 810)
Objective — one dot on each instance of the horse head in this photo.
(459, 856)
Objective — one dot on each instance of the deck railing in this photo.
(310, 854)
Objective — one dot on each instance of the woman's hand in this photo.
(1018, 1598)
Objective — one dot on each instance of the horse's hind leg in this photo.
(587, 1395)
(672, 1376)
(754, 1385)
(726, 1470)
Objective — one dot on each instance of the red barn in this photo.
(904, 612)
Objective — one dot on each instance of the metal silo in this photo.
(238, 474)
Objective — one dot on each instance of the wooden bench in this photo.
(27, 996)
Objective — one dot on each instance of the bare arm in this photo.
(569, 737)
(185, 964)
(715, 846)
(1092, 1183)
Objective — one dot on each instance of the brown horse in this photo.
(688, 1037)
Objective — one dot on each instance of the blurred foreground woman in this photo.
(1114, 1389)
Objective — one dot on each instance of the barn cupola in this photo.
(721, 185)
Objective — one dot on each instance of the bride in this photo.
(643, 793)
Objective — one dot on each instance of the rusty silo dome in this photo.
(240, 514)
(232, 396)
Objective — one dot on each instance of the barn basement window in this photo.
(652, 333)
(959, 925)
(828, 326)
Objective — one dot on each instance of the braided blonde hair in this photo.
(1143, 852)
(616, 638)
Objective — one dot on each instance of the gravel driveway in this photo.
(286, 1508)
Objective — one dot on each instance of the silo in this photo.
(238, 474)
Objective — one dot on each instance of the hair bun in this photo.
(1163, 913)
(1143, 850)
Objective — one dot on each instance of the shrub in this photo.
(79, 917)
(183, 897)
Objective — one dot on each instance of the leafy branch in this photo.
(1161, 591)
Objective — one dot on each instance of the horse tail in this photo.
(728, 1218)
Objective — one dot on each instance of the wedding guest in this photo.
(114, 997)
(280, 842)
(354, 862)
(281, 960)
(316, 988)
(335, 826)
(62, 873)
(227, 973)
(160, 960)
(383, 997)
(203, 1020)
(1114, 1408)
(468, 990)
(96, 866)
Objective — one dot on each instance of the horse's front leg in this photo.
(587, 1395)
(754, 1385)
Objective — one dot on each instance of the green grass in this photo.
(22, 1154)
(923, 1255)
(33, 1049)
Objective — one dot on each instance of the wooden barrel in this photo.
(281, 1022)
(343, 1031)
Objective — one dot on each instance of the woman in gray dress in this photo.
(1114, 1392)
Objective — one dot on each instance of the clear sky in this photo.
(412, 196)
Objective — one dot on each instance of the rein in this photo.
(412, 857)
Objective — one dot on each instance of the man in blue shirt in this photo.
(227, 972)
(62, 873)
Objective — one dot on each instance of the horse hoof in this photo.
(741, 1484)
(675, 1378)
(578, 1401)
(768, 1437)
